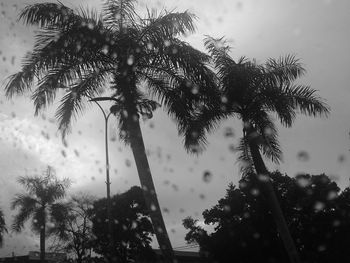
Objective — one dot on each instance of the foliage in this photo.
(3, 228)
(317, 214)
(134, 60)
(132, 228)
(254, 93)
(40, 204)
(121, 53)
(74, 227)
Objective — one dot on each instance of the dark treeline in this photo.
(316, 211)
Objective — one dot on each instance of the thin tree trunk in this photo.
(42, 243)
(268, 191)
(149, 191)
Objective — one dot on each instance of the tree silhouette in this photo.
(128, 57)
(3, 228)
(132, 229)
(73, 226)
(251, 93)
(40, 203)
(318, 216)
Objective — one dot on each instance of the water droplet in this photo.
(303, 156)
(321, 248)
(303, 182)
(127, 162)
(341, 158)
(332, 195)
(130, 60)
(319, 206)
(229, 132)
(105, 49)
(263, 177)
(167, 43)
(150, 46)
(153, 207)
(255, 192)
(207, 176)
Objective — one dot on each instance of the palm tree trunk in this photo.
(42, 243)
(268, 191)
(149, 191)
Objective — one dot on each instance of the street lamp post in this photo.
(108, 183)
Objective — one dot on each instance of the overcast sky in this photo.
(315, 31)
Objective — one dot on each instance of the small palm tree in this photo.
(39, 203)
(251, 93)
(3, 228)
(133, 59)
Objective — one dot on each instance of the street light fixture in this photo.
(108, 183)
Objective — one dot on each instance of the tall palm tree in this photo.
(131, 59)
(3, 228)
(251, 93)
(40, 203)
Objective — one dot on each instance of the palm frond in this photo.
(304, 99)
(166, 26)
(30, 183)
(72, 104)
(27, 205)
(245, 157)
(265, 134)
(20, 82)
(219, 51)
(274, 99)
(59, 213)
(119, 13)
(46, 91)
(285, 69)
(46, 14)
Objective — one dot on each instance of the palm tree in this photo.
(39, 203)
(3, 228)
(133, 60)
(251, 93)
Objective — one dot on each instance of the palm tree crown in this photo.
(252, 93)
(39, 203)
(84, 54)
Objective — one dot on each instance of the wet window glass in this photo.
(174, 131)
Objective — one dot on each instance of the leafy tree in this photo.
(84, 54)
(73, 227)
(132, 228)
(252, 93)
(40, 203)
(317, 214)
(3, 228)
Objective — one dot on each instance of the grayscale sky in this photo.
(316, 31)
